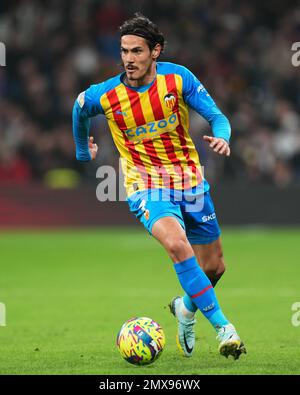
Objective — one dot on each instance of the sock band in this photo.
(201, 292)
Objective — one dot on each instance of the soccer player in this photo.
(146, 107)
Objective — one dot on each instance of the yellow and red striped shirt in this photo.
(150, 126)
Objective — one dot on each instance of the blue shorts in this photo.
(193, 209)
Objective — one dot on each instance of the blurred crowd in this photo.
(240, 50)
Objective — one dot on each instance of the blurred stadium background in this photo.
(240, 50)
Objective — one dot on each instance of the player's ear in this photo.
(156, 51)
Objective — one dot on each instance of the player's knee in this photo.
(215, 267)
(220, 269)
(179, 248)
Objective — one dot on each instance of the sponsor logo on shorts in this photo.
(210, 217)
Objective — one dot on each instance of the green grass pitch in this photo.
(67, 293)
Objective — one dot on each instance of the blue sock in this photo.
(217, 317)
(189, 304)
(200, 290)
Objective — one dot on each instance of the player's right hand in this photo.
(93, 148)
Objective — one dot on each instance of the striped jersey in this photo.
(150, 126)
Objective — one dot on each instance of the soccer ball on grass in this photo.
(141, 341)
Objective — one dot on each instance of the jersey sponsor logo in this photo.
(170, 100)
(153, 129)
(206, 218)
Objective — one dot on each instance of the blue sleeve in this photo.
(87, 105)
(196, 96)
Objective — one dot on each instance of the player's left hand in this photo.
(219, 145)
(93, 148)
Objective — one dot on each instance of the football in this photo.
(141, 341)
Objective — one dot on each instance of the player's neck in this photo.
(145, 80)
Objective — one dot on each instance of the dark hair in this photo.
(141, 26)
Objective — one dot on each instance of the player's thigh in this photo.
(162, 217)
(169, 232)
(151, 205)
(200, 220)
(203, 232)
(210, 257)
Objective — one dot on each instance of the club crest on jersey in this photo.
(170, 100)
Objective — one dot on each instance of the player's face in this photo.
(137, 58)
